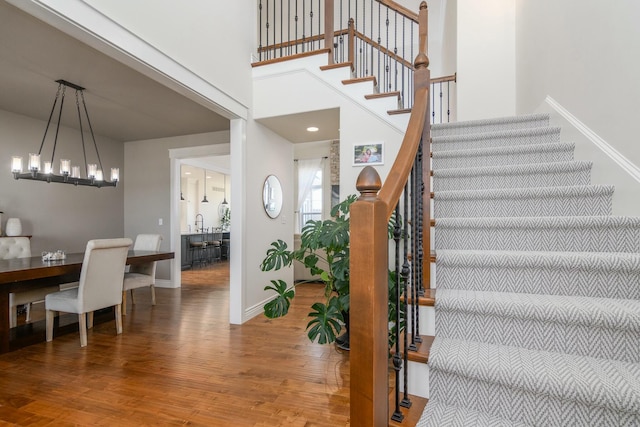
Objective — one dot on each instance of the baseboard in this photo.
(255, 310)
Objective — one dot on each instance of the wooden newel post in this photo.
(328, 28)
(368, 328)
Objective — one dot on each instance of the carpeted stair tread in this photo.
(596, 327)
(553, 174)
(501, 138)
(554, 233)
(441, 414)
(600, 275)
(541, 385)
(488, 125)
(537, 319)
(502, 156)
(585, 200)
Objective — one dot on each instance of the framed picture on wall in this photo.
(368, 154)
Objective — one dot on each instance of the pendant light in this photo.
(224, 201)
(204, 200)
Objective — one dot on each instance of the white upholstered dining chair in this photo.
(100, 286)
(20, 247)
(141, 275)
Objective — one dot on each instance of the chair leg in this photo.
(89, 320)
(124, 303)
(49, 318)
(118, 319)
(28, 306)
(82, 324)
(153, 295)
(133, 299)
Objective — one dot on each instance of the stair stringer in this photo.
(334, 78)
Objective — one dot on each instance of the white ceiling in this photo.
(123, 104)
(293, 127)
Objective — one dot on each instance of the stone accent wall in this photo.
(334, 159)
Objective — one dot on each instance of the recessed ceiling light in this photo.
(312, 129)
(187, 173)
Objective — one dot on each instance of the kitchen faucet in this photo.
(201, 222)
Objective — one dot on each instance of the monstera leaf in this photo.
(279, 306)
(278, 256)
(325, 321)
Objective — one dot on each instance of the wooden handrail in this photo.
(369, 247)
(338, 33)
(400, 9)
(443, 79)
(384, 50)
(394, 184)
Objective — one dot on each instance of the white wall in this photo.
(448, 60)
(486, 59)
(212, 38)
(59, 216)
(266, 154)
(584, 54)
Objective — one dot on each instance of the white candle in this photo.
(16, 164)
(65, 166)
(34, 162)
(91, 170)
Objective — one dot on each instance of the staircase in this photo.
(537, 312)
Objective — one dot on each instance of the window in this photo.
(311, 208)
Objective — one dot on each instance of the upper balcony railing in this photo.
(378, 37)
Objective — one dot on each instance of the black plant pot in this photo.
(342, 342)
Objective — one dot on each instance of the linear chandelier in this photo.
(68, 174)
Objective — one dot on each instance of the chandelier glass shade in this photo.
(68, 173)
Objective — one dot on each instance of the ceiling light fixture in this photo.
(205, 187)
(68, 174)
(312, 129)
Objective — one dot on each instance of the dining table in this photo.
(21, 274)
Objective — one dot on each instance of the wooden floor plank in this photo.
(180, 362)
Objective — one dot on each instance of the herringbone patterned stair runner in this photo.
(538, 304)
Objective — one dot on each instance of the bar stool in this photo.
(197, 249)
(214, 246)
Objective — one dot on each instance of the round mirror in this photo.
(272, 196)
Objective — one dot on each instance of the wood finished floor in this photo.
(181, 363)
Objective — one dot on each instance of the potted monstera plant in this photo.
(324, 251)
